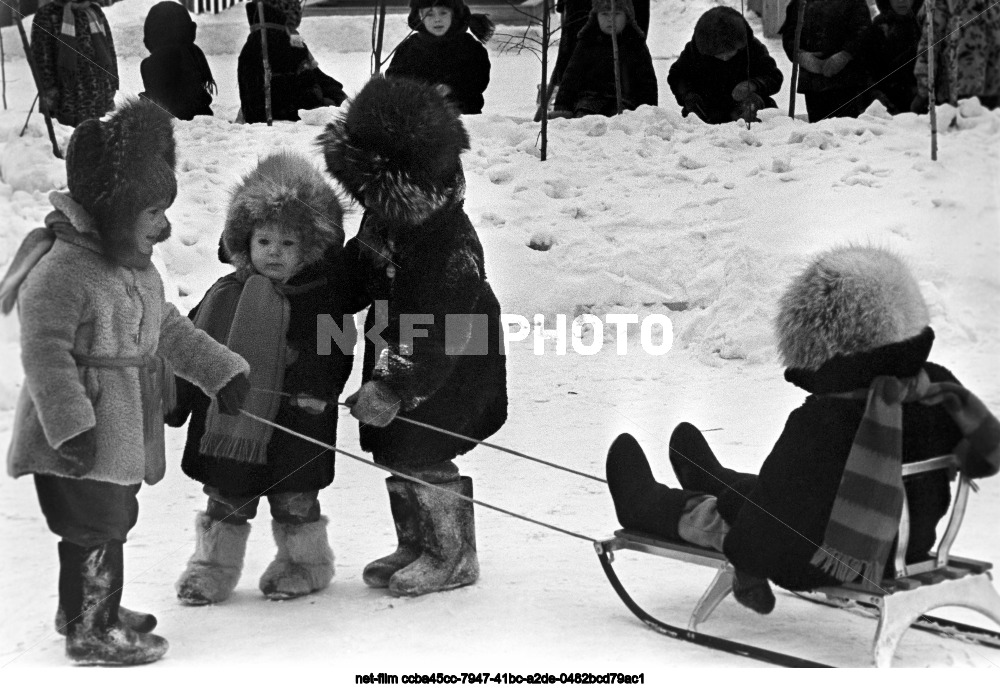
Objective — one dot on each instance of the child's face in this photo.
(150, 227)
(611, 22)
(727, 56)
(275, 253)
(437, 20)
(901, 7)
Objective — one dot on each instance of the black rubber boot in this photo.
(753, 592)
(695, 464)
(403, 505)
(90, 589)
(447, 532)
(641, 503)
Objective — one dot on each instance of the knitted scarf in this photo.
(69, 43)
(869, 502)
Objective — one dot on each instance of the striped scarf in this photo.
(69, 43)
(866, 512)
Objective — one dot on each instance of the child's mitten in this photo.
(79, 454)
(743, 90)
(232, 396)
(835, 64)
(374, 404)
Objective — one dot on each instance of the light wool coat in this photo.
(76, 302)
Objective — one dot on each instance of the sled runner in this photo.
(901, 601)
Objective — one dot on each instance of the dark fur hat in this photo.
(849, 300)
(397, 149)
(285, 189)
(720, 30)
(462, 18)
(117, 168)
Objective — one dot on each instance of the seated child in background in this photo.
(283, 235)
(443, 52)
(588, 85)
(890, 47)
(176, 74)
(724, 73)
(297, 82)
(854, 331)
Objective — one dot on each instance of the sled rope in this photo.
(411, 478)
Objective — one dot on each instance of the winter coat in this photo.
(591, 70)
(776, 530)
(297, 82)
(75, 301)
(460, 62)
(575, 14)
(967, 61)
(293, 464)
(93, 92)
(890, 46)
(829, 27)
(175, 75)
(714, 79)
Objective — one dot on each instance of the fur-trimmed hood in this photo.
(397, 150)
(286, 189)
(848, 301)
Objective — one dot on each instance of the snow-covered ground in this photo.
(646, 213)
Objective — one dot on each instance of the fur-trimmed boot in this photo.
(90, 592)
(447, 532)
(403, 506)
(304, 563)
(215, 567)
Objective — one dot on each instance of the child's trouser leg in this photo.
(221, 534)
(304, 563)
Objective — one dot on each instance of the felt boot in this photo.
(641, 503)
(447, 532)
(215, 567)
(403, 506)
(304, 563)
(753, 592)
(143, 622)
(695, 464)
(90, 592)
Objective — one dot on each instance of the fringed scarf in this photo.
(866, 512)
(69, 43)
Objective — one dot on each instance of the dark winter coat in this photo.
(175, 75)
(591, 70)
(92, 93)
(459, 61)
(830, 26)
(575, 14)
(714, 79)
(293, 464)
(297, 82)
(890, 46)
(776, 531)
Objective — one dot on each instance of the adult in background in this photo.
(890, 47)
(74, 53)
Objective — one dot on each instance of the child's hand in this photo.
(374, 404)
(232, 396)
(308, 403)
(743, 90)
(694, 103)
(79, 454)
(835, 63)
(811, 62)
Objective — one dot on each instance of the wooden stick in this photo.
(3, 71)
(42, 106)
(931, 85)
(795, 57)
(614, 49)
(543, 108)
(28, 118)
(380, 31)
(267, 62)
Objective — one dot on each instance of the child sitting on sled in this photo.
(283, 235)
(95, 332)
(854, 331)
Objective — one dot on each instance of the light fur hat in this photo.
(849, 300)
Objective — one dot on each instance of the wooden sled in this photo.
(900, 601)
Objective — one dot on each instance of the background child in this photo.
(397, 151)
(967, 61)
(444, 52)
(724, 73)
(74, 52)
(588, 85)
(283, 235)
(297, 82)
(176, 74)
(853, 330)
(829, 76)
(890, 47)
(95, 330)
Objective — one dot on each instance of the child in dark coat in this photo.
(446, 50)
(853, 330)
(438, 360)
(588, 85)
(297, 82)
(96, 337)
(283, 235)
(890, 47)
(176, 74)
(724, 73)
(830, 77)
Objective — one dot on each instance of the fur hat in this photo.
(849, 300)
(117, 168)
(720, 30)
(397, 149)
(286, 189)
(462, 18)
(598, 6)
